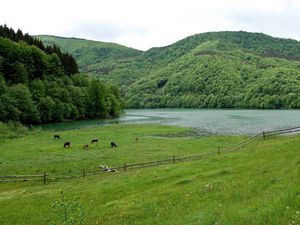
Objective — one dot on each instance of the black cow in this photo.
(113, 144)
(67, 144)
(94, 141)
(85, 146)
(56, 136)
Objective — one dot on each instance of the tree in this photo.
(2, 85)
(54, 65)
(9, 111)
(46, 107)
(79, 96)
(37, 89)
(96, 93)
(20, 75)
(58, 112)
(23, 102)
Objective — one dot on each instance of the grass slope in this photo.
(257, 185)
(88, 52)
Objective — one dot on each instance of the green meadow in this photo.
(258, 184)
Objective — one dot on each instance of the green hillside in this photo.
(88, 53)
(210, 70)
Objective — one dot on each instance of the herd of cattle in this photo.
(67, 144)
(104, 168)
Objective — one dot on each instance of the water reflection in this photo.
(205, 121)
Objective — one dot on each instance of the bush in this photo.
(67, 211)
(12, 130)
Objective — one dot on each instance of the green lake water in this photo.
(205, 121)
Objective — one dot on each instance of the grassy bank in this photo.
(39, 152)
(258, 185)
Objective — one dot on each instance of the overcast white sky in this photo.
(143, 24)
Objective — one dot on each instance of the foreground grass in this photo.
(258, 185)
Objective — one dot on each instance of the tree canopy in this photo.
(35, 86)
(68, 62)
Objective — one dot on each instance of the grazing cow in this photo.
(113, 144)
(107, 169)
(85, 146)
(56, 136)
(67, 144)
(94, 141)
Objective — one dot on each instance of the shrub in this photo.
(12, 129)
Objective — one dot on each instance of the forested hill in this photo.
(88, 53)
(210, 70)
(41, 84)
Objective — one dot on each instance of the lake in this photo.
(205, 121)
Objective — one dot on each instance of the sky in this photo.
(143, 24)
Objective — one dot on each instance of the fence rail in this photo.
(55, 177)
(16, 178)
(20, 176)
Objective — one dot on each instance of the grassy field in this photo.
(260, 184)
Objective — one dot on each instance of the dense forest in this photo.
(209, 70)
(67, 61)
(222, 70)
(42, 84)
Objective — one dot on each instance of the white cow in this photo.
(107, 169)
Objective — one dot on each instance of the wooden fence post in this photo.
(264, 135)
(218, 150)
(44, 178)
(125, 167)
(173, 158)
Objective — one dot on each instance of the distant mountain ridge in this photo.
(209, 70)
(88, 52)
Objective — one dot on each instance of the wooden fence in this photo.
(172, 160)
(16, 178)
